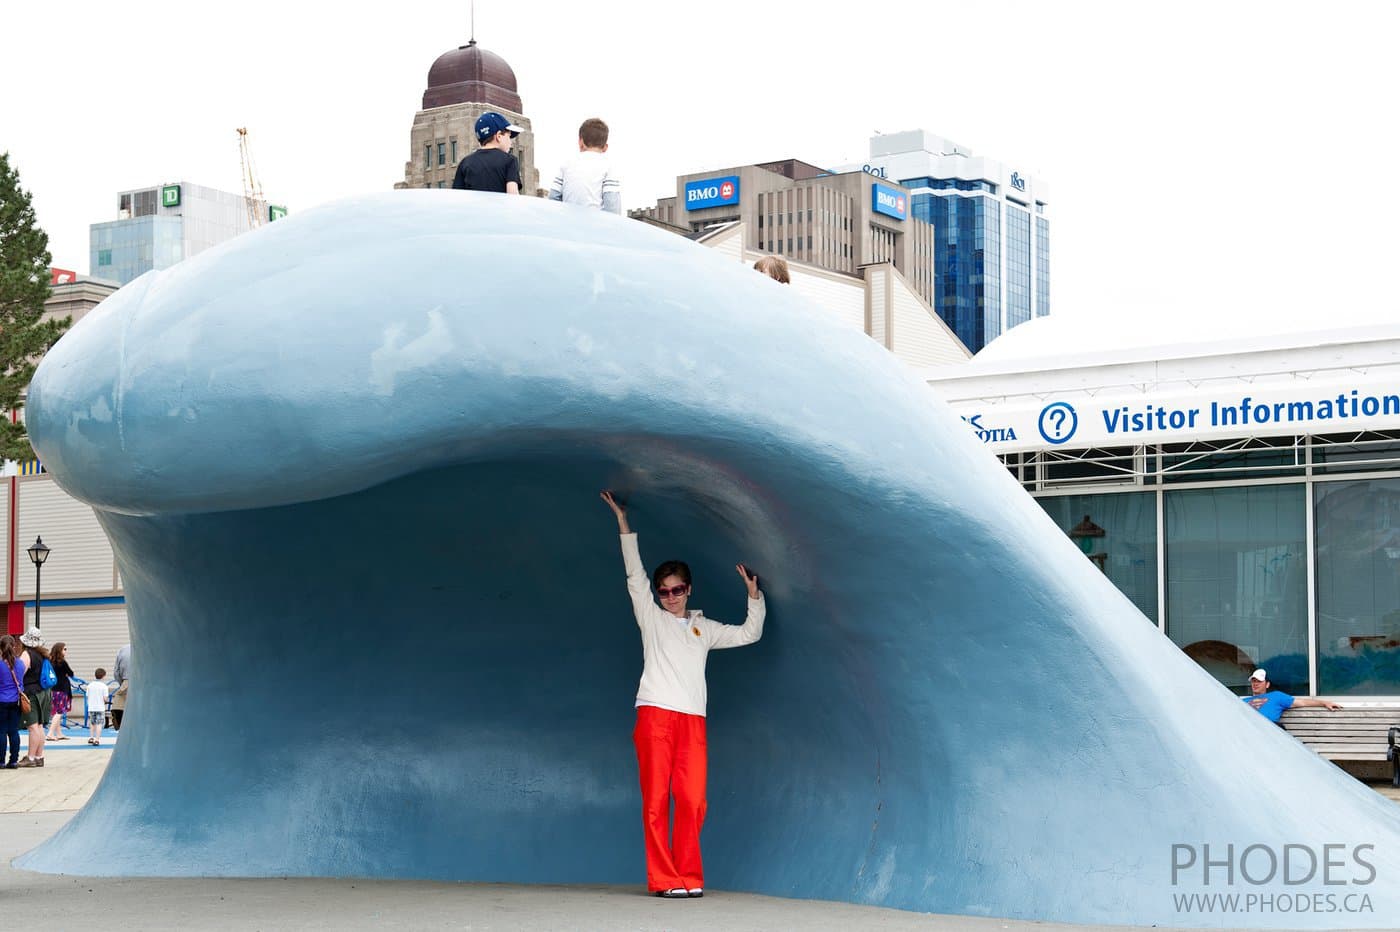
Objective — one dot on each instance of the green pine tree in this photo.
(24, 285)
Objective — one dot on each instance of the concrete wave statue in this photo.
(350, 462)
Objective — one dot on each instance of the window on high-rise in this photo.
(1018, 266)
(428, 155)
(1042, 266)
(442, 153)
(454, 150)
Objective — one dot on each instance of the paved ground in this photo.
(65, 782)
(36, 803)
(358, 904)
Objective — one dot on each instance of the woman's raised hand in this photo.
(620, 512)
(750, 579)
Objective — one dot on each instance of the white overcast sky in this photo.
(1207, 161)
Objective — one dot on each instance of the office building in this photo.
(158, 226)
(72, 295)
(836, 222)
(464, 83)
(991, 255)
(876, 299)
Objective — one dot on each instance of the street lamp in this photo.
(37, 555)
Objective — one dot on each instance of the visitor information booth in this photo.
(1244, 493)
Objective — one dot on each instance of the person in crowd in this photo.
(670, 731)
(587, 179)
(96, 691)
(62, 691)
(775, 267)
(121, 672)
(40, 697)
(491, 167)
(12, 670)
(1272, 704)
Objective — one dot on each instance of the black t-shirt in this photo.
(487, 170)
(65, 677)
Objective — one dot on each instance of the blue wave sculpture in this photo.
(349, 465)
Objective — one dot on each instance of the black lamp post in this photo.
(37, 555)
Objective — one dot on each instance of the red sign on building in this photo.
(62, 277)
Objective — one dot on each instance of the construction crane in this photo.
(252, 188)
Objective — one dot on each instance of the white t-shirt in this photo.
(96, 695)
(674, 649)
(587, 180)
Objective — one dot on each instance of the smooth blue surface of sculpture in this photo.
(349, 464)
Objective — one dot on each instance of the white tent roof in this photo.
(1056, 342)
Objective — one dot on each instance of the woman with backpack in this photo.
(12, 672)
(62, 690)
(39, 679)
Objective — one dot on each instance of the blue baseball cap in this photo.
(489, 124)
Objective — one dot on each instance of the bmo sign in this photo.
(712, 192)
(888, 201)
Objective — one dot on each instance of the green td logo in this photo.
(274, 212)
(170, 196)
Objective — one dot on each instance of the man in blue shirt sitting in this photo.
(1272, 704)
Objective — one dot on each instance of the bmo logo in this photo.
(712, 192)
(888, 201)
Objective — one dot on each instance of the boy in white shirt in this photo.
(96, 691)
(587, 179)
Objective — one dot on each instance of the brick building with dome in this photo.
(464, 83)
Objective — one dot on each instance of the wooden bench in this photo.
(1349, 734)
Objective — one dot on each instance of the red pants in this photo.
(671, 759)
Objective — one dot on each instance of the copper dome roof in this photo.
(471, 75)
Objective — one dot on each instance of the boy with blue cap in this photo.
(491, 167)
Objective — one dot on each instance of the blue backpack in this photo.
(47, 678)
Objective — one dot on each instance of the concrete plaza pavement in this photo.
(35, 803)
(298, 903)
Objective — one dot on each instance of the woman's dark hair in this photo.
(56, 653)
(7, 649)
(670, 568)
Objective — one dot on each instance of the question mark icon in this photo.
(1058, 422)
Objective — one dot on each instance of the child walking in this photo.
(96, 691)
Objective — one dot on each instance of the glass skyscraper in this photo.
(157, 227)
(991, 233)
